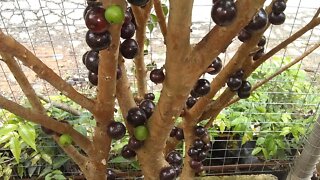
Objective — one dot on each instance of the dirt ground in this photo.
(242, 177)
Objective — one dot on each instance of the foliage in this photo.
(276, 115)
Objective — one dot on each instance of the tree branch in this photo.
(23, 82)
(62, 128)
(281, 70)
(141, 17)
(61, 106)
(11, 46)
(161, 18)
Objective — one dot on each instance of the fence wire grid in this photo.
(54, 30)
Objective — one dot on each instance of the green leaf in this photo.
(58, 162)
(150, 26)
(261, 109)
(81, 129)
(15, 147)
(119, 159)
(5, 138)
(20, 170)
(28, 135)
(46, 157)
(222, 126)
(35, 159)
(7, 128)
(265, 153)
(285, 131)
(246, 137)
(256, 151)
(31, 170)
(135, 165)
(154, 18)
(165, 9)
(58, 177)
(45, 171)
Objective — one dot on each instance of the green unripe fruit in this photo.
(65, 140)
(141, 133)
(114, 14)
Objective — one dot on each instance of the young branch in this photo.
(161, 18)
(61, 106)
(12, 47)
(141, 18)
(23, 82)
(62, 128)
(281, 70)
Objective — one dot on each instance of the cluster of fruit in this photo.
(177, 133)
(223, 12)
(202, 86)
(175, 160)
(236, 83)
(277, 17)
(199, 149)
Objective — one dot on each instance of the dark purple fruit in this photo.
(258, 54)
(147, 106)
(259, 21)
(202, 87)
(111, 175)
(244, 94)
(138, 2)
(202, 155)
(178, 170)
(179, 134)
(173, 131)
(206, 147)
(277, 19)
(136, 116)
(193, 152)
(157, 76)
(167, 173)
(223, 12)
(133, 20)
(91, 4)
(127, 153)
(196, 165)
(234, 83)
(239, 73)
(119, 73)
(149, 96)
(92, 61)
(191, 101)
(200, 131)
(278, 6)
(84, 57)
(95, 20)
(215, 67)
(198, 143)
(47, 130)
(128, 30)
(174, 158)
(262, 41)
(134, 144)
(116, 130)
(129, 48)
(244, 35)
(98, 42)
(93, 78)
(127, 17)
(194, 94)
(246, 86)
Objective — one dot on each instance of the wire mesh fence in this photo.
(272, 124)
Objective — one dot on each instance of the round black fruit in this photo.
(207, 147)
(149, 96)
(239, 74)
(98, 42)
(193, 152)
(223, 12)
(196, 165)
(136, 116)
(128, 30)
(95, 20)
(194, 94)
(279, 6)
(93, 78)
(147, 106)
(246, 86)
(174, 158)
(277, 19)
(244, 94)
(111, 175)
(259, 21)
(134, 144)
(116, 130)
(173, 131)
(91, 4)
(138, 2)
(215, 67)
(202, 155)
(191, 101)
(199, 131)
(127, 16)
(262, 41)
(129, 48)
(127, 153)
(157, 76)
(179, 134)
(244, 35)
(84, 57)
(198, 143)
(202, 87)
(167, 173)
(234, 83)
(258, 54)
(92, 61)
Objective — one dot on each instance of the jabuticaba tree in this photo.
(116, 33)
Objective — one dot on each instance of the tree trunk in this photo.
(305, 164)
